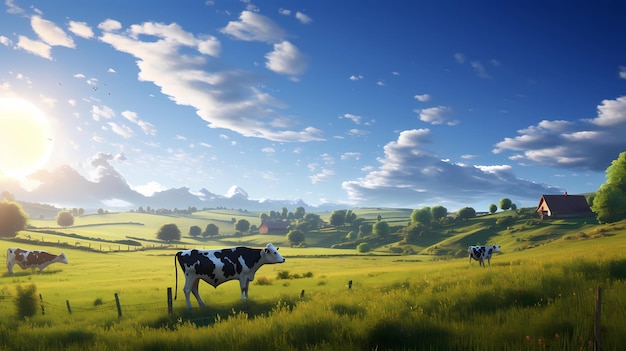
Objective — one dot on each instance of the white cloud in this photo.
(354, 118)
(589, 144)
(254, 27)
(459, 57)
(355, 77)
(81, 29)
(122, 130)
(51, 33)
(322, 176)
(147, 128)
(111, 70)
(350, 155)
(479, 69)
(98, 112)
(229, 99)
(110, 25)
(5, 41)
(303, 18)
(286, 59)
(437, 115)
(284, 12)
(34, 47)
(622, 72)
(410, 176)
(149, 188)
(268, 150)
(422, 98)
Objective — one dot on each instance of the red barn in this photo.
(274, 227)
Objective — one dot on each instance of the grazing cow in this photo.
(479, 253)
(218, 266)
(32, 259)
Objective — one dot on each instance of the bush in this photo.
(26, 301)
(263, 281)
(363, 247)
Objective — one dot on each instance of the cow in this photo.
(479, 253)
(32, 259)
(218, 266)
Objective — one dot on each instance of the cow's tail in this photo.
(176, 269)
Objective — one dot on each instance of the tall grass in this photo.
(521, 305)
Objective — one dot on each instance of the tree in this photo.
(26, 301)
(168, 232)
(295, 237)
(195, 230)
(609, 203)
(65, 218)
(12, 218)
(350, 217)
(299, 213)
(351, 235)
(423, 216)
(413, 231)
(381, 229)
(466, 213)
(211, 230)
(493, 208)
(438, 212)
(505, 203)
(338, 218)
(314, 220)
(363, 247)
(365, 229)
(242, 226)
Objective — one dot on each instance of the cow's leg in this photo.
(10, 267)
(194, 290)
(482, 262)
(191, 286)
(243, 284)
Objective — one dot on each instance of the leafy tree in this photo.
(211, 230)
(168, 232)
(12, 218)
(338, 218)
(352, 235)
(195, 230)
(609, 203)
(513, 207)
(466, 213)
(363, 247)
(299, 213)
(65, 218)
(381, 229)
(505, 203)
(350, 217)
(423, 216)
(365, 229)
(314, 220)
(493, 208)
(264, 217)
(284, 213)
(413, 231)
(295, 237)
(242, 226)
(438, 212)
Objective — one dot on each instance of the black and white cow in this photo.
(218, 266)
(479, 253)
(31, 259)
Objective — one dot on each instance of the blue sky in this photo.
(361, 103)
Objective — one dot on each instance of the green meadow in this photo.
(538, 294)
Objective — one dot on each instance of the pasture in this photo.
(536, 295)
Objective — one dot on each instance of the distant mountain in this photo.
(64, 187)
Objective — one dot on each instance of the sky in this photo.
(359, 103)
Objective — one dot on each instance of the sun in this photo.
(25, 138)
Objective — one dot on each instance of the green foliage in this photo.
(211, 230)
(423, 216)
(363, 247)
(438, 212)
(381, 229)
(505, 204)
(295, 237)
(493, 208)
(466, 213)
(505, 221)
(26, 301)
(168, 232)
(65, 218)
(338, 218)
(242, 225)
(351, 235)
(195, 230)
(609, 202)
(365, 229)
(413, 231)
(12, 218)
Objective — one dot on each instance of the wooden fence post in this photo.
(598, 325)
(117, 303)
(169, 301)
(43, 311)
(69, 308)
(350, 284)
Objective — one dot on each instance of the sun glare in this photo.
(25, 138)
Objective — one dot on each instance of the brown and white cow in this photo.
(32, 259)
(218, 266)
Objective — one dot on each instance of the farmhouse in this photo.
(274, 227)
(563, 206)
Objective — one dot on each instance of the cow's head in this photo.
(496, 248)
(271, 254)
(63, 258)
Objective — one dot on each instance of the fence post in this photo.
(43, 311)
(169, 301)
(69, 308)
(350, 284)
(119, 308)
(598, 327)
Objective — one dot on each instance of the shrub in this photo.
(26, 301)
(98, 302)
(263, 281)
(363, 247)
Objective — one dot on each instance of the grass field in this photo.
(538, 294)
